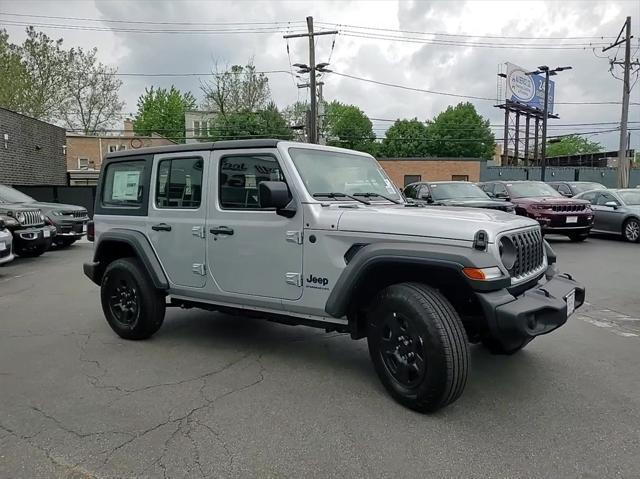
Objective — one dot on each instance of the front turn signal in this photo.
(482, 274)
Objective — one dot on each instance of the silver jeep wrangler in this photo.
(319, 236)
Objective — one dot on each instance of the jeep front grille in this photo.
(567, 208)
(78, 214)
(529, 252)
(31, 217)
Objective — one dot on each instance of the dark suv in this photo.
(69, 221)
(573, 188)
(31, 236)
(454, 193)
(537, 200)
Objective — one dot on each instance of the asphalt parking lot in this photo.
(212, 395)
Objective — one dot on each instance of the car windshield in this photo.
(10, 195)
(582, 187)
(531, 189)
(325, 171)
(446, 191)
(630, 197)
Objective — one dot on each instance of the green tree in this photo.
(405, 138)
(572, 145)
(347, 126)
(236, 89)
(91, 102)
(162, 110)
(460, 132)
(14, 77)
(266, 123)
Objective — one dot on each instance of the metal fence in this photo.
(606, 176)
(72, 195)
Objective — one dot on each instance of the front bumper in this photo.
(536, 311)
(33, 237)
(70, 228)
(6, 253)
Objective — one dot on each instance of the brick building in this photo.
(409, 170)
(31, 151)
(85, 152)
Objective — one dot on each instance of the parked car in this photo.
(70, 221)
(315, 235)
(616, 211)
(573, 188)
(454, 193)
(31, 236)
(6, 243)
(537, 200)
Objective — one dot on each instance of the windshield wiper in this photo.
(369, 195)
(340, 195)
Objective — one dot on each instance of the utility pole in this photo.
(321, 113)
(311, 69)
(623, 161)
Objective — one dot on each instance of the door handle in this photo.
(221, 230)
(161, 227)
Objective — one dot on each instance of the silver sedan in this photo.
(616, 211)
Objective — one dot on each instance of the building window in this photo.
(459, 177)
(85, 164)
(200, 128)
(408, 179)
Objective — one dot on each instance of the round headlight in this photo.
(508, 253)
(20, 217)
(42, 217)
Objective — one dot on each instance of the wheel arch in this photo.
(124, 243)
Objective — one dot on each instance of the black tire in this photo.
(64, 242)
(631, 230)
(418, 320)
(496, 347)
(133, 307)
(32, 252)
(578, 237)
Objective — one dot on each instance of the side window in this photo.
(239, 177)
(605, 198)
(179, 183)
(123, 184)
(590, 197)
(487, 188)
(410, 191)
(423, 192)
(564, 189)
(499, 189)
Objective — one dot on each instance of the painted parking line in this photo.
(618, 323)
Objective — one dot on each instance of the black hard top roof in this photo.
(209, 145)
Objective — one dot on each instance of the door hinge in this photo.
(294, 237)
(293, 278)
(198, 231)
(199, 268)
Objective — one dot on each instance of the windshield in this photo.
(9, 195)
(582, 187)
(324, 171)
(531, 189)
(630, 197)
(447, 191)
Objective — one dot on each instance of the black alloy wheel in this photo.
(402, 350)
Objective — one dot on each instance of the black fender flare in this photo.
(370, 256)
(141, 246)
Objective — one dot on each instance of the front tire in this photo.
(133, 307)
(631, 230)
(578, 237)
(418, 346)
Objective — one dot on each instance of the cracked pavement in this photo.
(216, 396)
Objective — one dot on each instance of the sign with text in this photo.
(526, 89)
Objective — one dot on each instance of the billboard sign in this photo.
(526, 89)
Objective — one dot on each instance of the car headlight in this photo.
(57, 213)
(20, 217)
(508, 253)
(42, 217)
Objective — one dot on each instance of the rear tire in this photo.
(631, 230)
(578, 237)
(496, 347)
(133, 307)
(418, 346)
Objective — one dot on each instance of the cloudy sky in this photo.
(395, 47)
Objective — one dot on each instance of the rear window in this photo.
(123, 184)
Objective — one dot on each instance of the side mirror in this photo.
(502, 196)
(275, 194)
(490, 194)
(611, 204)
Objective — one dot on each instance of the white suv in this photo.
(319, 236)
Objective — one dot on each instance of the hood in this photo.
(46, 207)
(18, 207)
(471, 203)
(552, 200)
(430, 221)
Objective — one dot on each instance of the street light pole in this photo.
(545, 115)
